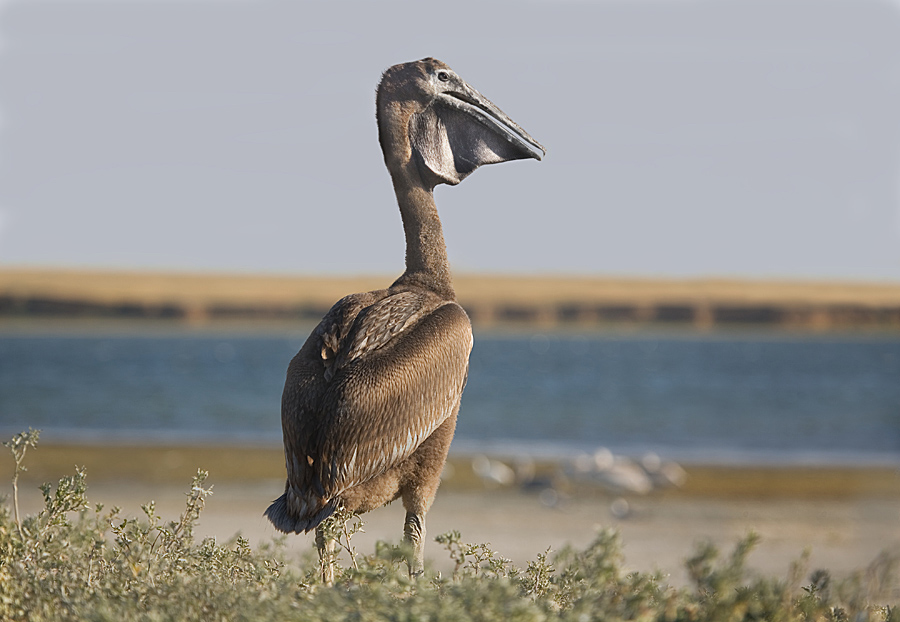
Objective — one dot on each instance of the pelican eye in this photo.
(443, 76)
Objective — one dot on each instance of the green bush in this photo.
(76, 562)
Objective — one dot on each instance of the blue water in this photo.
(717, 397)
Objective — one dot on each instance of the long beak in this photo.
(473, 103)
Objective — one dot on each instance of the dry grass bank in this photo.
(489, 299)
(196, 289)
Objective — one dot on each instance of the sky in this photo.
(685, 138)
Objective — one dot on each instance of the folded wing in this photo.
(363, 394)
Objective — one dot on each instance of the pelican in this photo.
(370, 402)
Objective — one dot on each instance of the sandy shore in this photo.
(843, 533)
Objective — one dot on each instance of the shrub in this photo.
(72, 561)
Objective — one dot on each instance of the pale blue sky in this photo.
(747, 138)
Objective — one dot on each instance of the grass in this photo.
(200, 290)
(75, 561)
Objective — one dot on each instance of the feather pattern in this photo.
(379, 374)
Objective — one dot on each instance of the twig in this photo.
(18, 445)
(350, 550)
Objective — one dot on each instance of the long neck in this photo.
(426, 254)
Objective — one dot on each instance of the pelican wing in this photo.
(399, 376)
(308, 378)
(375, 378)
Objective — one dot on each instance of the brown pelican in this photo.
(370, 401)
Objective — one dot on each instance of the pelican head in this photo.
(431, 118)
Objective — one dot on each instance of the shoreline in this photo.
(172, 464)
(556, 451)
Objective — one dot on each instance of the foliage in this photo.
(73, 562)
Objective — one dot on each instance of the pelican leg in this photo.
(414, 533)
(326, 547)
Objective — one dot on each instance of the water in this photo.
(718, 398)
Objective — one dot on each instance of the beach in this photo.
(843, 516)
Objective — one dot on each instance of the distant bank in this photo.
(562, 301)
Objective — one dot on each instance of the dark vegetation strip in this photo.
(572, 313)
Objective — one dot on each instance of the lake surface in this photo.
(719, 398)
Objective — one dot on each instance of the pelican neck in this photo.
(426, 253)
